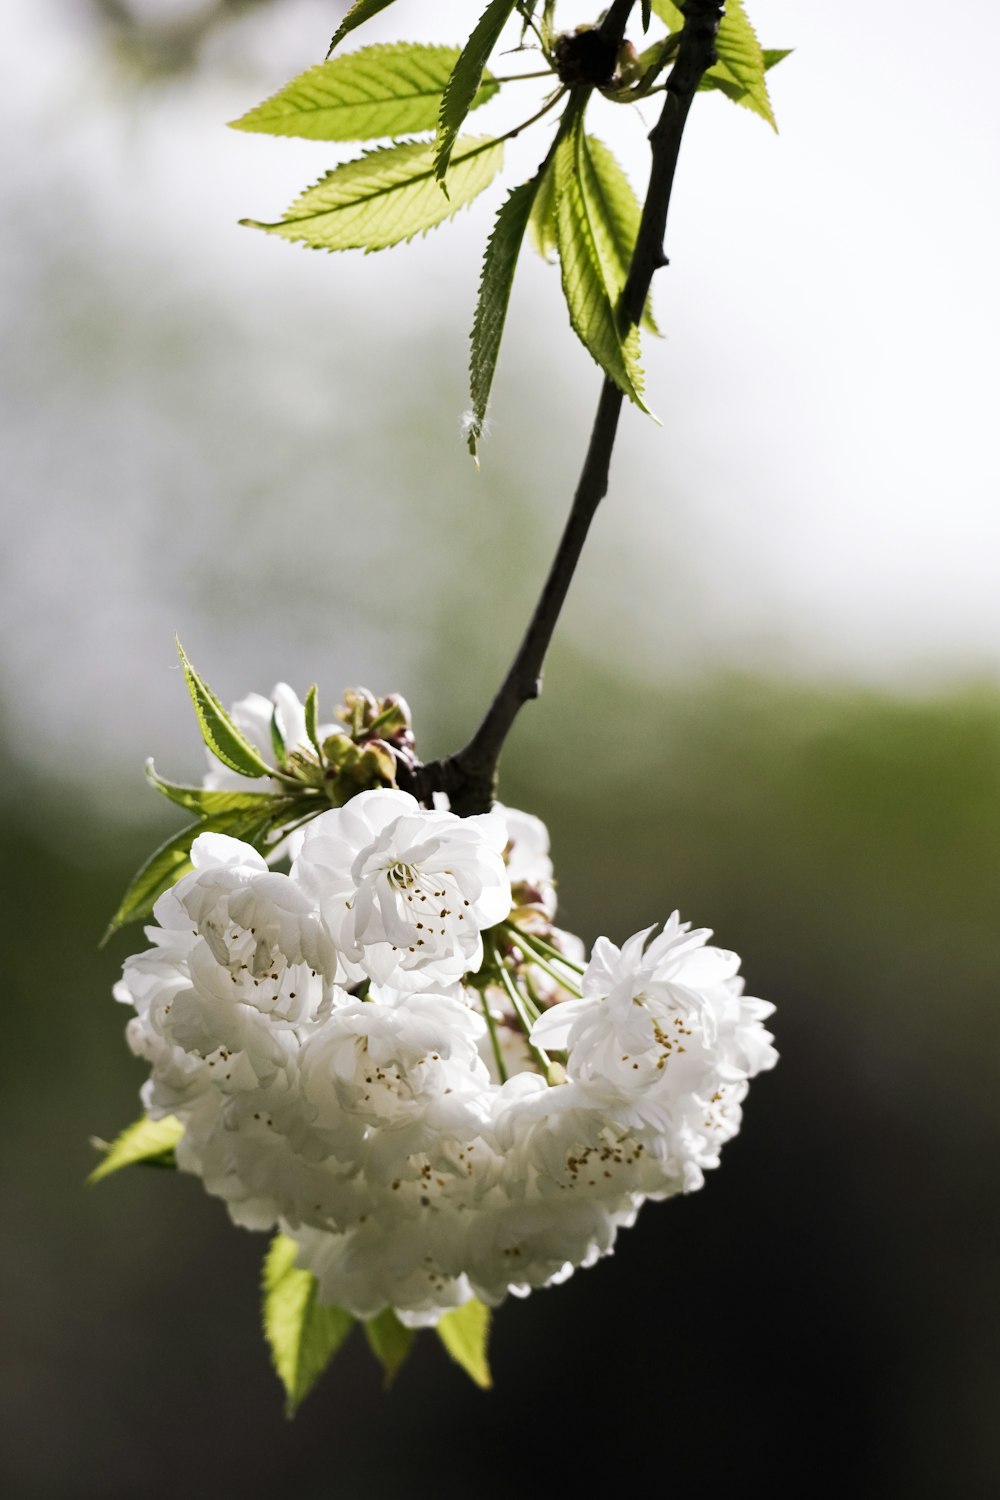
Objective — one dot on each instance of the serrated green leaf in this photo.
(386, 196)
(465, 80)
(739, 72)
(312, 727)
(592, 299)
(774, 55)
(208, 802)
(302, 1333)
(740, 54)
(226, 742)
(542, 222)
(167, 864)
(499, 265)
(149, 1142)
(360, 12)
(260, 829)
(390, 1341)
(162, 869)
(616, 217)
(465, 1333)
(387, 90)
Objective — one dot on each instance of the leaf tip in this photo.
(94, 1177)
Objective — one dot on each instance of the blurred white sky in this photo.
(821, 498)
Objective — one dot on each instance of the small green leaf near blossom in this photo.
(464, 84)
(389, 89)
(162, 869)
(360, 12)
(390, 1341)
(147, 1142)
(591, 289)
(499, 265)
(302, 1333)
(226, 742)
(208, 802)
(465, 1333)
(166, 865)
(311, 716)
(387, 196)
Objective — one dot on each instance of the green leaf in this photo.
(171, 860)
(390, 1341)
(465, 80)
(465, 1333)
(360, 11)
(499, 265)
(647, 11)
(669, 14)
(207, 802)
(302, 1333)
(161, 870)
(616, 217)
(542, 223)
(739, 72)
(312, 728)
(226, 742)
(592, 294)
(259, 829)
(150, 1142)
(774, 55)
(386, 196)
(385, 90)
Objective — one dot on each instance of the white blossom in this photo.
(406, 892)
(322, 1037)
(529, 866)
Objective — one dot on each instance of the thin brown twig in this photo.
(469, 776)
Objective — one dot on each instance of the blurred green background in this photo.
(196, 445)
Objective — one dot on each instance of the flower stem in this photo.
(520, 1004)
(491, 1027)
(544, 947)
(535, 957)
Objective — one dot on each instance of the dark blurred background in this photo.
(774, 704)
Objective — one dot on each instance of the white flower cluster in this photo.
(430, 1115)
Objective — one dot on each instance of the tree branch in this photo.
(469, 776)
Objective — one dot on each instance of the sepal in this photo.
(302, 1333)
(465, 1333)
(148, 1143)
(390, 1341)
